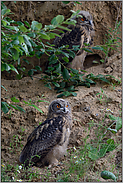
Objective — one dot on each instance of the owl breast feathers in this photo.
(48, 142)
(82, 32)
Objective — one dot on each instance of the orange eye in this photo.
(83, 19)
(66, 105)
(58, 106)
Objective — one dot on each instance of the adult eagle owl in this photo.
(81, 33)
(48, 142)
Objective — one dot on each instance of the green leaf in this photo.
(97, 48)
(43, 35)
(53, 35)
(3, 87)
(71, 88)
(5, 67)
(50, 68)
(65, 2)
(59, 19)
(54, 22)
(18, 23)
(65, 59)
(66, 54)
(56, 84)
(62, 84)
(20, 108)
(4, 107)
(19, 76)
(15, 53)
(21, 39)
(43, 101)
(86, 44)
(111, 117)
(12, 28)
(30, 72)
(24, 47)
(66, 93)
(38, 68)
(13, 106)
(5, 11)
(64, 28)
(13, 68)
(23, 28)
(112, 130)
(118, 123)
(59, 90)
(95, 62)
(60, 96)
(27, 24)
(71, 22)
(4, 23)
(87, 50)
(25, 102)
(65, 74)
(58, 69)
(13, 99)
(90, 81)
(36, 108)
(76, 48)
(108, 175)
(74, 94)
(36, 25)
(101, 77)
(92, 152)
(16, 41)
(48, 85)
(87, 84)
(27, 40)
(74, 71)
(31, 34)
(71, 54)
(110, 141)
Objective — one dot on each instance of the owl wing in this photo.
(77, 36)
(42, 140)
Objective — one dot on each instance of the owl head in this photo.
(59, 107)
(84, 19)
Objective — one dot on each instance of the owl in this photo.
(82, 32)
(48, 142)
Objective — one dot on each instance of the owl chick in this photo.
(82, 32)
(48, 142)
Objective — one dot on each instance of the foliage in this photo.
(22, 39)
(19, 39)
(5, 106)
(112, 41)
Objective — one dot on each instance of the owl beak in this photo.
(65, 110)
(90, 22)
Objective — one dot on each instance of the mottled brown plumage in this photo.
(48, 142)
(81, 33)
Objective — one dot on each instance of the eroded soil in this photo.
(86, 107)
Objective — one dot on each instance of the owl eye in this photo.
(83, 19)
(58, 106)
(66, 105)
